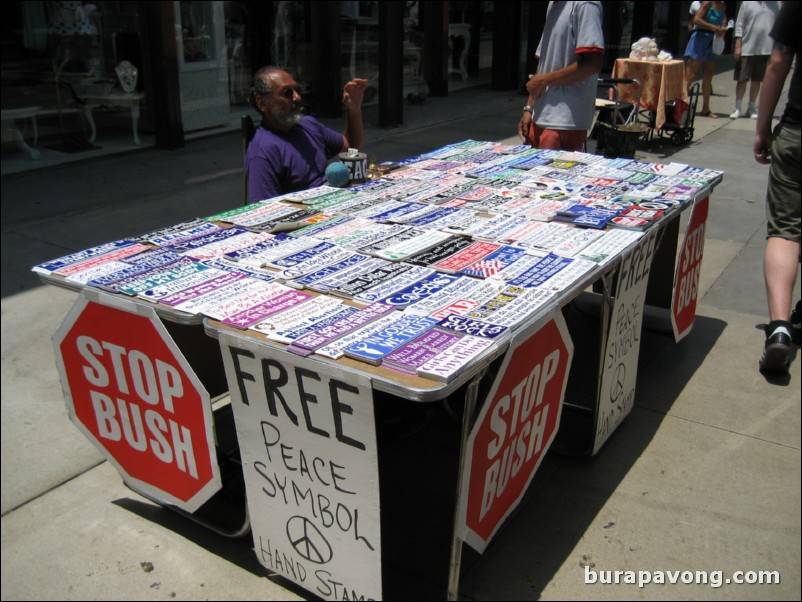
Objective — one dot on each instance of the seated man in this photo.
(290, 151)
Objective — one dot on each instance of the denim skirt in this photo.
(700, 46)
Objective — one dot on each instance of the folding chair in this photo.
(612, 111)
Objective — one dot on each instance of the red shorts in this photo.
(573, 140)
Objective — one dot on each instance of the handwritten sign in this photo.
(308, 444)
(622, 347)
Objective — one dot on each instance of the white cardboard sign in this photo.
(622, 347)
(307, 439)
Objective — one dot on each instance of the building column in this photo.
(435, 47)
(160, 72)
(391, 63)
(506, 45)
(327, 30)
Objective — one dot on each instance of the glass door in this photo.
(202, 63)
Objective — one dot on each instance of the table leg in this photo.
(90, 118)
(19, 139)
(660, 289)
(607, 302)
(471, 395)
(135, 122)
(463, 56)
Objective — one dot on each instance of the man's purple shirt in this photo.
(280, 163)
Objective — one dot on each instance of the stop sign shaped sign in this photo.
(689, 265)
(515, 427)
(129, 389)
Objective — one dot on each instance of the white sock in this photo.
(738, 105)
(751, 108)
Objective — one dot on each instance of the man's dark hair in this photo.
(260, 85)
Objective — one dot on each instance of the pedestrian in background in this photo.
(692, 10)
(707, 22)
(752, 47)
(781, 148)
(562, 95)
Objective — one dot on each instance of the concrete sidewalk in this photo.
(704, 475)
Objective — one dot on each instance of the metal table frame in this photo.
(418, 389)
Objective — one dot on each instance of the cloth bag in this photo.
(718, 45)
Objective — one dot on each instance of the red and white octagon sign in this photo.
(129, 389)
(515, 428)
(689, 266)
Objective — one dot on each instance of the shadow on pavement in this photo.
(568, 493)
(237, 551)
(418, 459)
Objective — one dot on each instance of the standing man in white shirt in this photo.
(751, 51)
(562, 93)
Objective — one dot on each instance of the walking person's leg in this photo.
(781, 257)
(740, 87)
(754, 91)
(707, 88)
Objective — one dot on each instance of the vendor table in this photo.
(300, 416)
(661, 82)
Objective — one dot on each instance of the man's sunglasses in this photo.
(288, 93)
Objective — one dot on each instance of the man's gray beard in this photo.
(292, 119)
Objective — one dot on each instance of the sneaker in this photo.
(753, 115)
(735, 114)
(796, 324)
(775, 352)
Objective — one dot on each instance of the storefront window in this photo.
(60, 80)
(203, 71)
(617, 32)
(415, 88)
(238, 51)
(470, 41)
(290, 45)
(360, 45)
(197, 31)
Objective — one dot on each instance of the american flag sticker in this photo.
(667, 169)
(484, 268)
(495, 262)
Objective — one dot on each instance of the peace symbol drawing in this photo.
(308, 541)
(617, 387)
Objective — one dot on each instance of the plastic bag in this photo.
(718, 45)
